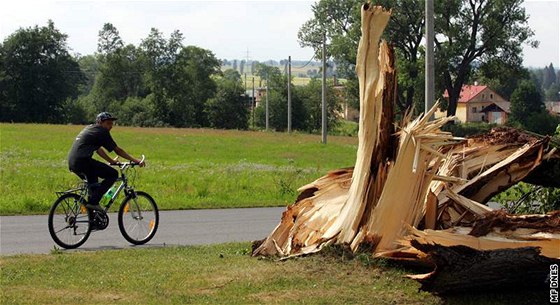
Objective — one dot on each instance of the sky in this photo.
(254, 30)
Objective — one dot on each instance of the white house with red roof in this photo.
(479, 104)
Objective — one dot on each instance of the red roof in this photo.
(468, 92)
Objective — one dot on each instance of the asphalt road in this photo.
(30, 234)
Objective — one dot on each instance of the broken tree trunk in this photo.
(461, 269)
(416, 186)
(329, 211)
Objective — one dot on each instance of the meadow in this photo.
(186, 168)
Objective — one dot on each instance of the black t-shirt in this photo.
(88, 141)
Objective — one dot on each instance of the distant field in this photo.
(299, 75)
(187, 168)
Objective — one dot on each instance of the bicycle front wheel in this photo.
(69, 223)
(138, 218)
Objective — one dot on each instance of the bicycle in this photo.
(71, 223)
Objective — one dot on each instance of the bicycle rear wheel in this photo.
(69, 223)
(138, 218)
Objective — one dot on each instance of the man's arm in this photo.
(119, 151)
(101, 152)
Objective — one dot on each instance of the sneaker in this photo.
(96, 207)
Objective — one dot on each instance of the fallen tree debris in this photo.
(417, 193)
(461, 269)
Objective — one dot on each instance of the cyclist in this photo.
(94, 138)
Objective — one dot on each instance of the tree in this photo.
(89, 65)
(160, 56)
(311, 95)
(470, 32)
(120, 71)
(242, 66)
(525, 100)
(278, 104)
(228, 109)
(196, 68)
(37, 75)
(120, 76)
(340, 20)
(502, 77)
(109, 39)
(549, 77)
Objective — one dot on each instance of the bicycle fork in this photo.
(135, 211)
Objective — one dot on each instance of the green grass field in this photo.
(219, 274)
(187, 168)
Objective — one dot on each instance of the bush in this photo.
(468, 129)
(542, 123)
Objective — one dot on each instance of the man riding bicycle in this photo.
(94, 138)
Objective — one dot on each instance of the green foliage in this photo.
(340, 20)
(524, 198)
(541, 122)
(502, 77)
(528, 111)
(468, 129)
(312, 97)
(525, 99)
(37, 75)
(228, 109)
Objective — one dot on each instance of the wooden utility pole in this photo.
(253, 102)
(324, 93)
(429, 82)
(289, 94)
(266, 108)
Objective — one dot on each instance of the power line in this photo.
(310, 60)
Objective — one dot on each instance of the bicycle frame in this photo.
(124, 183)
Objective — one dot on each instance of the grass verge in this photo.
(217, 274)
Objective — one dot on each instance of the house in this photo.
(479, 104)
(496, 113)
(553, 107)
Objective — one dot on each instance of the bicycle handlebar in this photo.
(123, 165)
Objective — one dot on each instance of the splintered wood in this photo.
(415, 185)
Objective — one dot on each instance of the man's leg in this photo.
(109, 176)
(85, 170)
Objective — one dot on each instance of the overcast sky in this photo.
(259, 30)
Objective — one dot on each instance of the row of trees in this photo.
(160, 82)
(475, 40)
(548, 80)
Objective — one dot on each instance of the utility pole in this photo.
(429, 82)
(324, 93)
(253, 101)
(245, 87)
(266, 110)
(289, 94)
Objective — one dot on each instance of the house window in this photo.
(483, 96)
(491, 96)
(473, 109)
